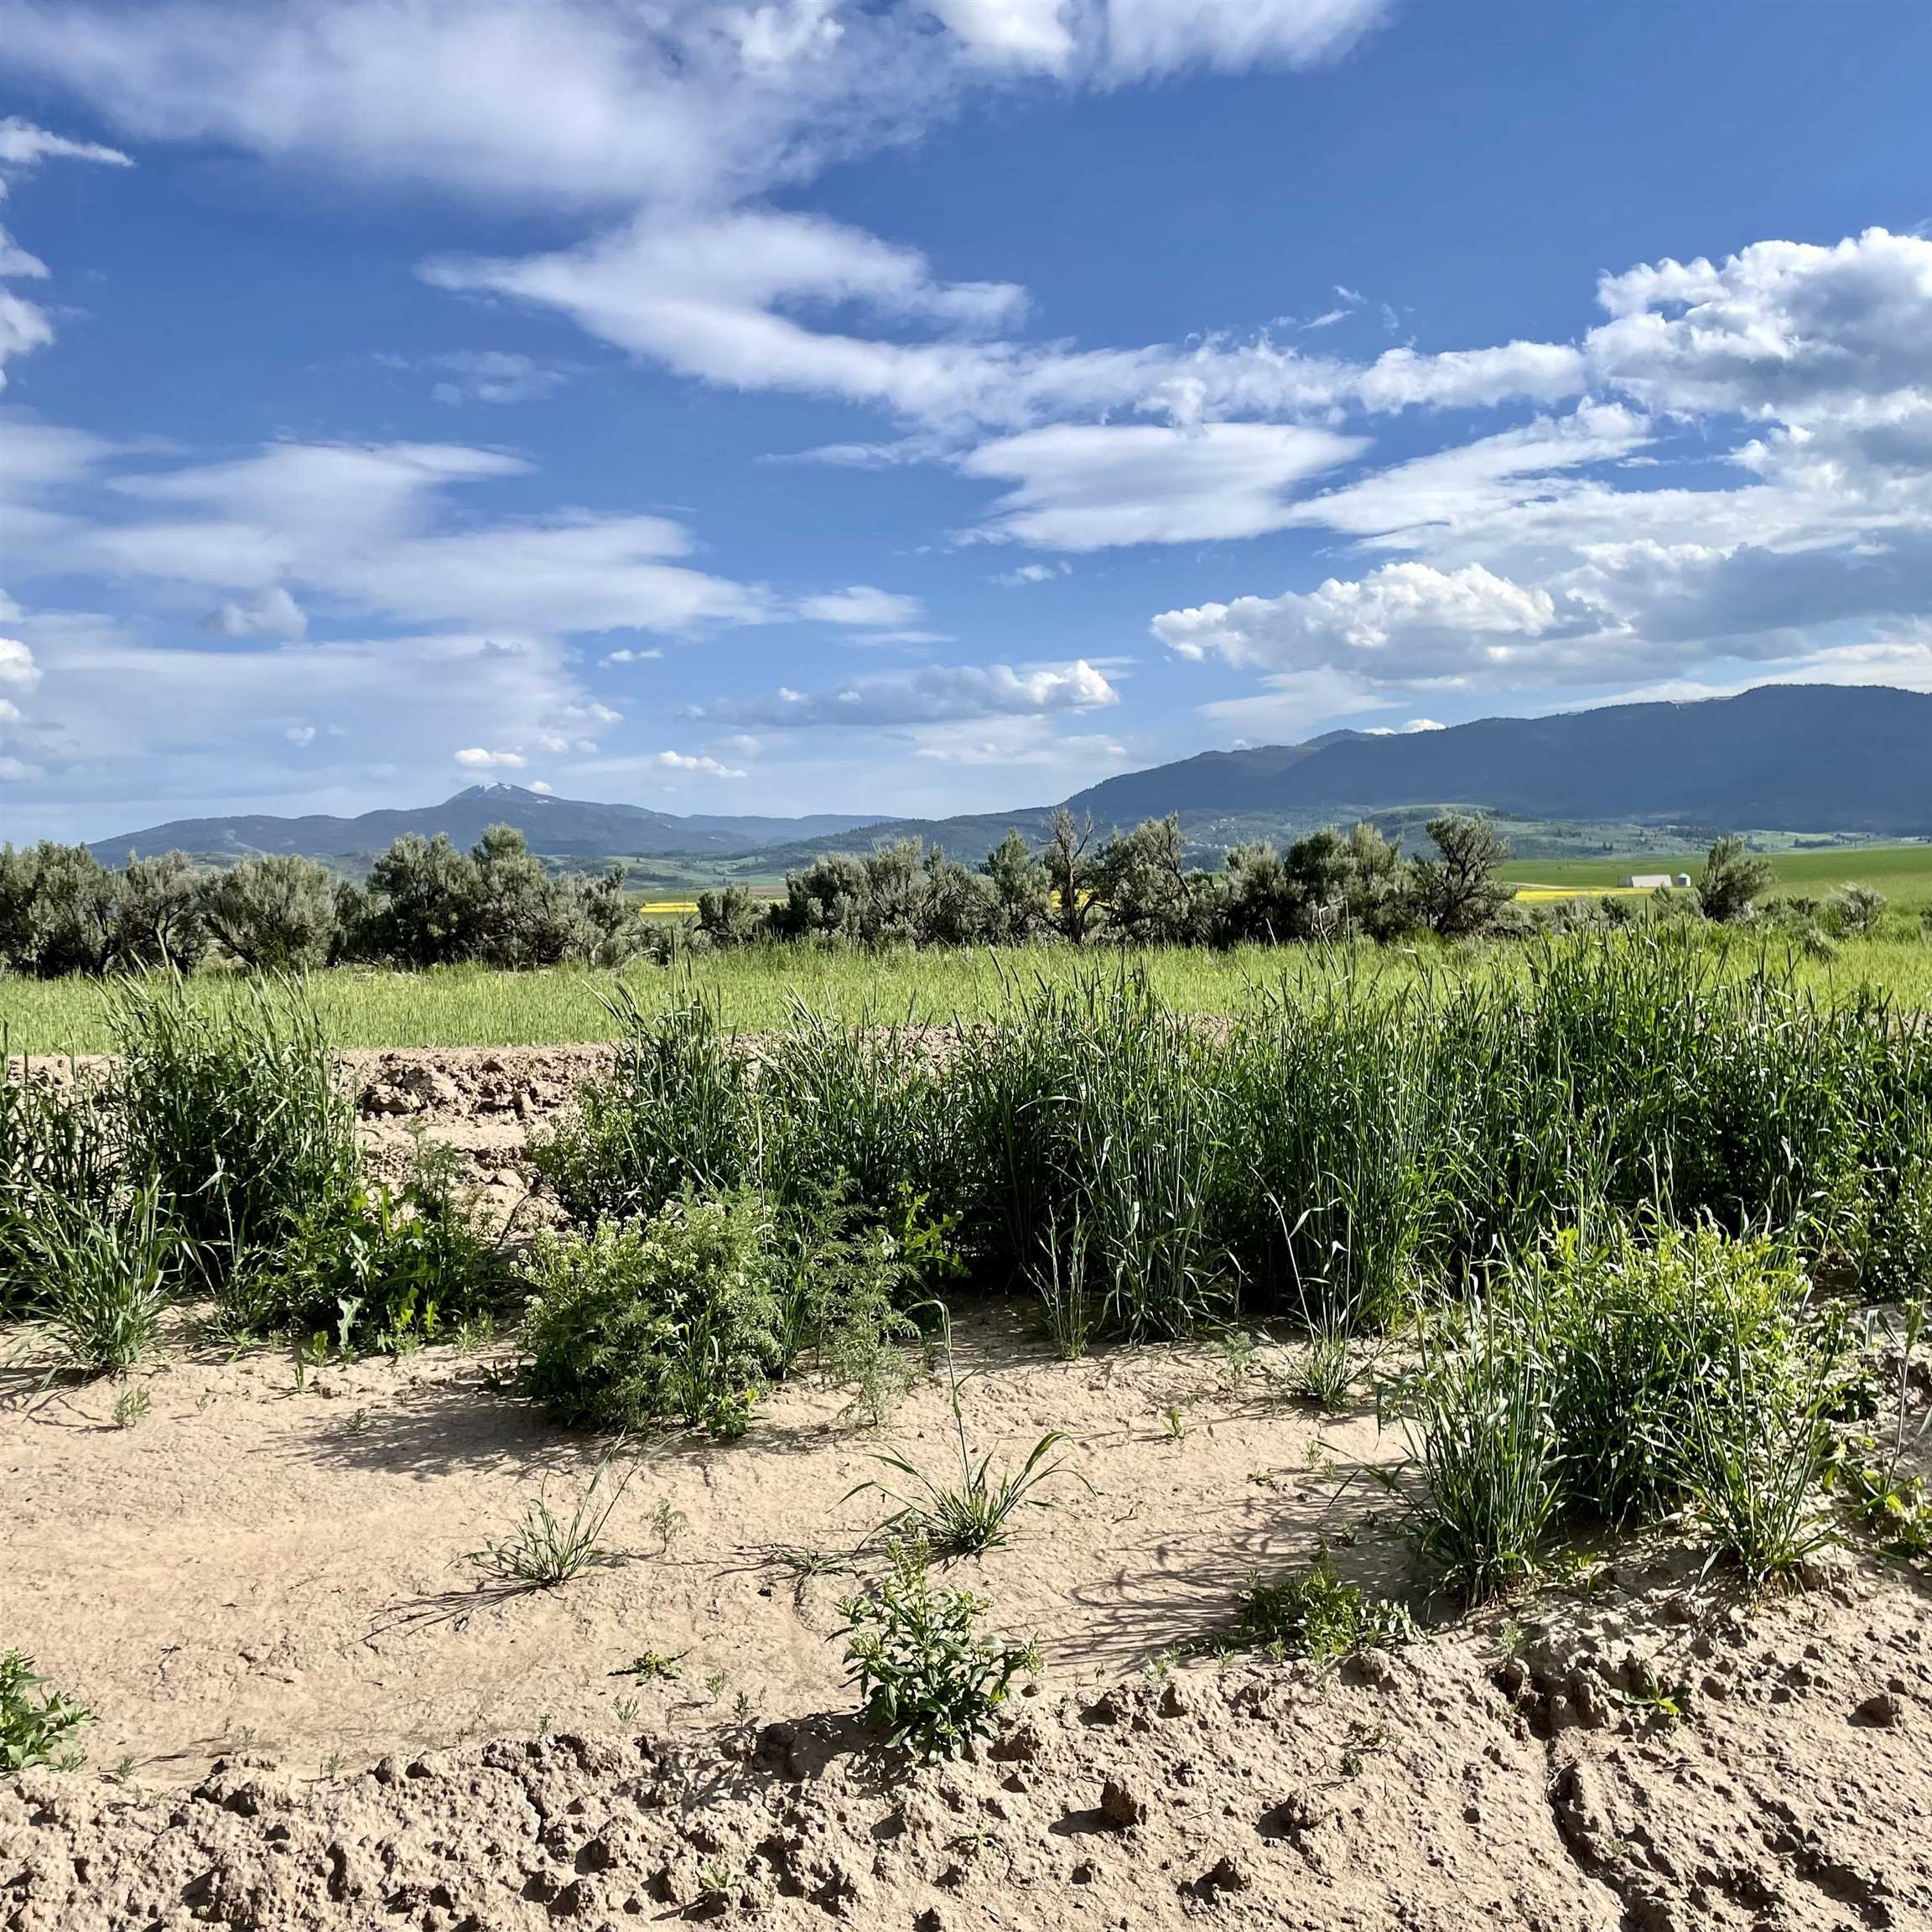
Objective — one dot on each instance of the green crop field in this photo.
(762, 988)
(1903, 873)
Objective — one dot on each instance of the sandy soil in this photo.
(333, 1720)
(252, 1564)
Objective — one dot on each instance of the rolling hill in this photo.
(1853, 761)
(567, 827)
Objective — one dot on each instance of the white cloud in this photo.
(1036, 33)
(861, 605)
(1149, 37)
(270, 613)
(1404, 623)
(698, 763)
(931, 694)
(359, 523)
(24, 145)
(1023, 573)
(684, 100)
(476, 758)
(24, 325)
(629, 656)
(300, 733)
(541, 785)
(17, 667)
(1084, 487)
(493, 375)
(717, 296)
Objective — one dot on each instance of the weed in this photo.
(925, 1675)
(1236, 1348)
(714, 1686)
(474, 1333)
(234, 1116)
(1480, 1404)
(675, 1319)
(546, 1550)
(131, 1406)
(101, 1275)
(625, 1710)
(802, 1565)
(1067, 1299)
(1174, 1421)
(653, 1667)
(974, 1512)
(1318, 1616)
(669, 1522)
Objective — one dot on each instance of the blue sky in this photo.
(818, 405)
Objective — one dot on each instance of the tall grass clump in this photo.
(674, 1114)
(1351, 1147)
(1094, 1104)
(1627, 1377)
(100, 1277)
(60, 1155)
(234, 1115)
(1327, 1191)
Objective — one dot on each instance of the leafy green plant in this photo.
(130, 1406)
(37, 1723)
(963, 1514)
(545, 1550)
(388, 1269)
(925, 1675)
(653, 1667)
(841, 1280)
(677, 1319)
(1318, 1616)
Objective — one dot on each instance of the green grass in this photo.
(1903, 873)
(761, 990)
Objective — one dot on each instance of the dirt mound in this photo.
(1408, 1790)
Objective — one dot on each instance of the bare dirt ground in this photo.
(333, 1720)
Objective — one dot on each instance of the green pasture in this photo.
(1903, 873)
(762, 988)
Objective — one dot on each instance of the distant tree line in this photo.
(427, 903)
(1135, 888)
(424, 903)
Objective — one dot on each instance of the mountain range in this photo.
(1849, 760)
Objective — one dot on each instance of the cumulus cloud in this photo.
(717, 296)
(931, 694)
(1404, 623)
(361, 522)
(476, 758)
